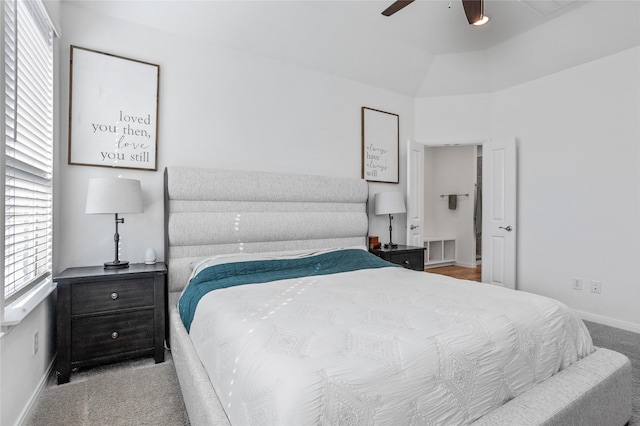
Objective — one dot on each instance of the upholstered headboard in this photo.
(212, 211)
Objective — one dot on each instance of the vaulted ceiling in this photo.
(426, 49)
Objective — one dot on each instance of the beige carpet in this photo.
(137, 392)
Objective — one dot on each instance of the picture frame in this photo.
(113, 110)
(380, 146)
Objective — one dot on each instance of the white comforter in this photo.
(387, 346)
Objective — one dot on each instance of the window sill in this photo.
(18, 310)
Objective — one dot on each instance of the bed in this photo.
(349, 355)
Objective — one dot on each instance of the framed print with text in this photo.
(113, 111)
(380, 145)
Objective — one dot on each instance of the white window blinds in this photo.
(28, 136)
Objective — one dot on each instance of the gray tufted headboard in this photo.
(213, 211)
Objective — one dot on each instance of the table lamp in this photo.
(114, 196)
(389, 203)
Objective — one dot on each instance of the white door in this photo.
(415, 193)
(499, 212)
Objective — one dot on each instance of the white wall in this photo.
(219, 107)
(579, 184)
(578, 178)
(23, 373)
(453, 119)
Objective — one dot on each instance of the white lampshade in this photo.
(114, 195)
(389, 203)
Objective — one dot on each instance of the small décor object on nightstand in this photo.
(373, 242)
(150, 256)
(389, 203)
(114, 195)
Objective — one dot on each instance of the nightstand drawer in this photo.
(411, 260)
(105, 335)
(410, 257)
(100, 296)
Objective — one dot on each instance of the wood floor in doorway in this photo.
(472, 274)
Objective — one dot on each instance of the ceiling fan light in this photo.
(482, 20)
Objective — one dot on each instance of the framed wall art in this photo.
(113, 111)
(380, 145)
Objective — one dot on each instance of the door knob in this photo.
(414, 226)
(508, 228)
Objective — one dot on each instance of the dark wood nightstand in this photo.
(109, 315)
(410, 257)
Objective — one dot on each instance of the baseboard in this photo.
(437, 265)
(26, 412)
(466, 264)
(611, 322)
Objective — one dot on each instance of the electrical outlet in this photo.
(35, 342)
(577, 283)
(596, 286)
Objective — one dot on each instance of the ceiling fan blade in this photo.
(396, 6)
(473, 10)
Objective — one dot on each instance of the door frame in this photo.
(442, 144)
(500, 211)
(415, 214)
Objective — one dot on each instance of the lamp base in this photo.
(116, 264)
(391, 245)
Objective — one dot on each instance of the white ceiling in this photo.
(440, 26)
(426, 49)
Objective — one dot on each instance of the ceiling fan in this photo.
(474, 9)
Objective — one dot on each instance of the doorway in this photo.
(498, 210)
(452, 204)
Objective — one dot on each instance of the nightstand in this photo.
(410, 257)
(109, 315)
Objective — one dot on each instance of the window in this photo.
(27, 128)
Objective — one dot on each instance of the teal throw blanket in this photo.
(262, 271)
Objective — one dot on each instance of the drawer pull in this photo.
(114, 335)
(114, 295)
